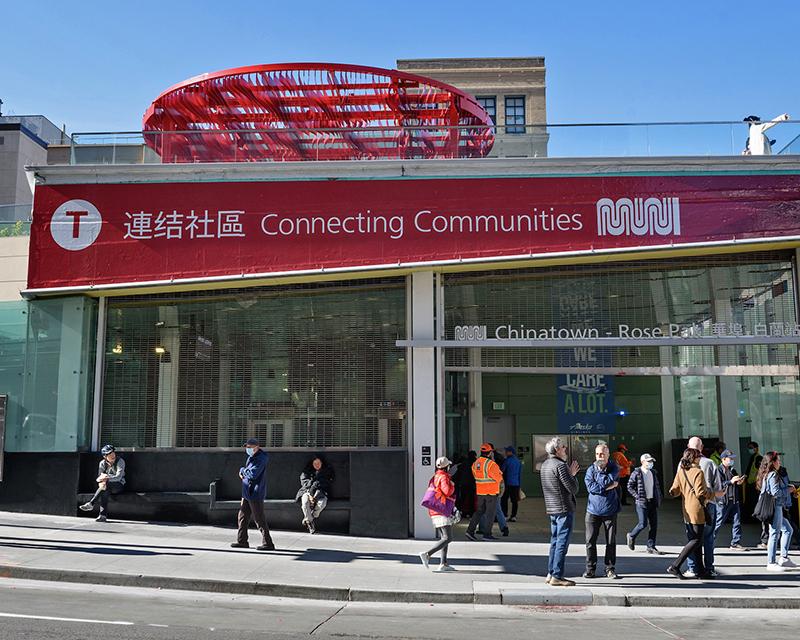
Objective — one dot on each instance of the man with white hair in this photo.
(602, 480)
(559, 486)
(714, 483)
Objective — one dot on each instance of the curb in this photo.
(497, 595)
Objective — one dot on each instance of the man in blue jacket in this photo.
(512, 477)
(602, 480)
(254, 489)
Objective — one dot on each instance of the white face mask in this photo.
(250, 451)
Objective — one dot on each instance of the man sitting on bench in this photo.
(111, 480)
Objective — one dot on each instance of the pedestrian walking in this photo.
(714, 484)
(316, 480)
(729, 506)
(559, 486)
(444, 489)
(690, 485)
(110, 481)
(771, 481)
(487, 486)
(465, 486)
(625, 465)
(751, 493)
(512, 475)
(499, 516)
(602, 481)
(645, 488)
(254, 489)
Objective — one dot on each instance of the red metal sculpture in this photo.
(314, 111)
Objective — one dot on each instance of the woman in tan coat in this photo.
(690, 484)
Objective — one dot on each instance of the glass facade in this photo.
(47, 369)
(743, 294)
(296, 366)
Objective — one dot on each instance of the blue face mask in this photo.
(649, 466)
(250, 451)
(751, 451)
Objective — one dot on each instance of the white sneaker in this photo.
(689, 574)
(787, 563)
(444, 568)
(87, 506)
(774, 566)
(425, 558)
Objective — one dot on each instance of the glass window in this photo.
(515, 114)
(300, 366)
(489, 104)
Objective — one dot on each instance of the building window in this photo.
(489, 104)
(515, 114)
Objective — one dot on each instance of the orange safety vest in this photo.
(487, 477)
(623, 463)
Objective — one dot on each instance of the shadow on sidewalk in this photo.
(108, 550)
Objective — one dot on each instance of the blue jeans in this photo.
(560, 530)
(499, 515)
(724, 511)
(779, 529)
(648, 514)
(708, 540)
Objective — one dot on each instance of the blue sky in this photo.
(96, 66)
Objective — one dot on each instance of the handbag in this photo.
(438, 502)
(765, 506)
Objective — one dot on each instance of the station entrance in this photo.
(645, 353)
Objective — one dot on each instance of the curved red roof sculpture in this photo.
(314, 111)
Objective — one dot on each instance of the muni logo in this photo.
(470, 332)
(638, 217)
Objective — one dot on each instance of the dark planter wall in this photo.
(40, 483)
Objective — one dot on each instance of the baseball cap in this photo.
(622, 447)
(727, 454)
(646, 457)
(251, 442)
(443, 462)
(486, 447)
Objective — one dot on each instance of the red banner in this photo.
(131, 233)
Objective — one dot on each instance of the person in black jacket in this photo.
(465, 486)
(315, 486)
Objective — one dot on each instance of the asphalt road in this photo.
(43, 610)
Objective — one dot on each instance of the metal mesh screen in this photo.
(748, 293)
(296, 366)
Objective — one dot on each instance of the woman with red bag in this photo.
(441, 494)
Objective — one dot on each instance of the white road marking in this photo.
(37, 617)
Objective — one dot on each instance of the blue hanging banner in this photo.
(586, 404)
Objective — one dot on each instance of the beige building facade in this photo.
(512, 90)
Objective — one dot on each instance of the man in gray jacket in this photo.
(559, 486)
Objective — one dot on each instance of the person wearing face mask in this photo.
(729, 506)
(254, 489)
(646, 491)
(602, 480)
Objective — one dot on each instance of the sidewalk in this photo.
(330, 567)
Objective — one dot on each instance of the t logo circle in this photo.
(75, 225)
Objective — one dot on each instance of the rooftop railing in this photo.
(649, 139)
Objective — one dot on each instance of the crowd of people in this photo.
(487, 488)
(711, 491)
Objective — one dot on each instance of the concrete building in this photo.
(512, 90)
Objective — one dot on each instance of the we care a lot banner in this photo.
(586, 404)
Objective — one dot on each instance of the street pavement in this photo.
(67, 611)
(352, 569)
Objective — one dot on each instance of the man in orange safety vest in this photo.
(488, 477)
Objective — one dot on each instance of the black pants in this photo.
(112, 488)
(487, 505)
(513, 493)
(254, 508)
(593, 525)
(446, 537)
(622, 489)
(694, 532)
